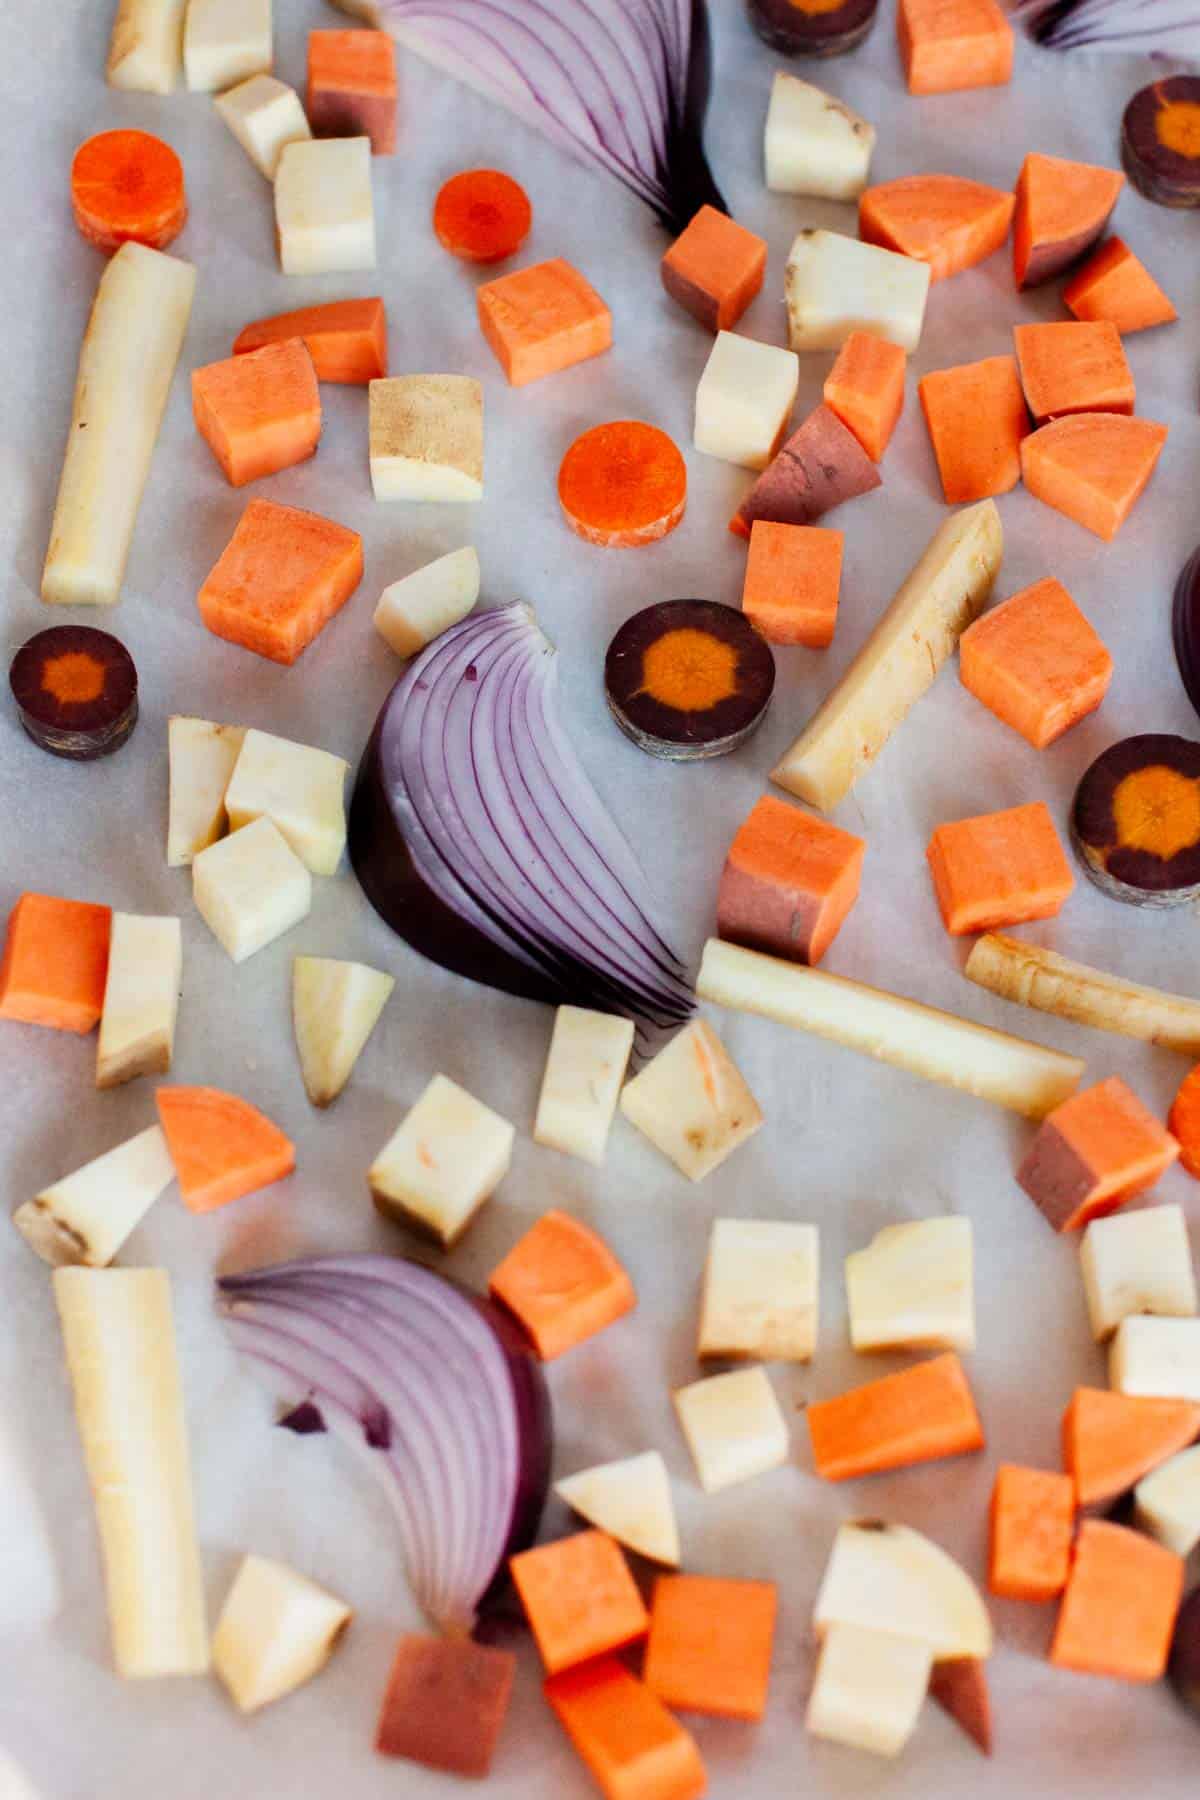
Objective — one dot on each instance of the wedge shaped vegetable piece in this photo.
(691, 1102)
(942, 220)
(734, 1427)
(418, 608)
(221, 1146)
(1137, 1262)
(960, 1688)
(1118, 1612)
(300, 789)
(589, 1053)
(447, 1157)
(201, 757)
(761, 1291)
(1158, 1357)
(1167, 1502)
(814, 144)
(86, 1217)
(1050, 983)
(1111, 1440)
(630, 1500)
(264, 116)
(141, 999)
(1093, 467)
(869, 1689)
(913, 1287)
(835, 285)
(891, 1578)
(145, 51)
(276, 1631)
(335, 1008)
(250, 888)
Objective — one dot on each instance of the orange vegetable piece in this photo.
(482, 215)
(946, 45)
(960, 1687)
(1114, 285)
(976, 417)
(127, 186)
(920, 1414)
(352, 87)
(630, 1742)
(793, 577)
(563, 1283)
(222, 1147)
(1093, 467)
(1035, 662)
(1118, 1613)
(709, 1648)
(820, 466)
(865, 388)
(714, 268)
(789, 881)
(347, 339)
(1032, 1524)
(1093, 1153)
(999, 868)
(579, 1597)
(445, 1704)
(942, 220)
(1111, 1440)
(1073, 367)
(542, 319)
(55, 963)
(280, 579)
(623, 485)
(261, 412)
(1183, 1121)
(1062, 209)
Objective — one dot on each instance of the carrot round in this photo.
(128, 186)
(623, 484)
(482, 215)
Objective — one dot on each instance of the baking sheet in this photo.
(847, 1144)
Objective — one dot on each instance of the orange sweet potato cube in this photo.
(865, 388)
(793, 577)
(1073, 366)
(1113, 284)
(951, 44)
(1094, 467)
(563, 1283)
(352, 87)
(976, 417)
(1093, 1153)
(579, 1597)
(1118, 1612)
(999, 868)
(261, 412)
(709, 1648)
(1036, 662)
(542, 319)
(445, 1703)
(1109, 1441)
(1032, 1524)
(55, 962)
(714, 268)
(280, 579)
(632, 1745)
(788, 883)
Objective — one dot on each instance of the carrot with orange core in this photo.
(1109, 1441)
(55, 963)
(623, 485)
(1032, 1522)
(579, 1597)
(865, 388)
(127, 186)
(1118, 1612)
(942, 220)
(221, 1146)
(918, 1415)
(1114, 285)
(482, 215)
(563, 1283)
(347, 339)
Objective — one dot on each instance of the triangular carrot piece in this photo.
(222, 1147)
(1111, 1440)
(1062, 208)
(1092, 466)
(942, 220)
(960, 1688)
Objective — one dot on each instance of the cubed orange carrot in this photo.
(920, 1414)
(347, 339)
(280, 579)
(951, 44)
(1114, 285)
(793, 576)
(789, 881)
(631, 1744)
(1032, 1522)
(1036, 662)
(579, 1597)
(1062, 209)
(1093, 1153)
(259, 413)
(714, 268)
(1093, 467)
(445, 1703)
(976, 417)
(352, 87)
(943, 220)
(999, 868)
(1118, 1612)
(222, 1147)
(1069, 366)
(1109, 1441)
(542, 319)
(55, 962)
(563, 1283)
(865, 388)
(709, 1648)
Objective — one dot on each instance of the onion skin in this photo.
(1185, 622)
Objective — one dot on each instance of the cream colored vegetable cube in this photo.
(86, 1217)
(631, 1500)
(734, 1427)
(302, 792)
(913, 1287)
(224, 41)
(427, 438)
(813, 143)
(744, 400)
(250, 888)
(761, 1286)
(869, 1689)
(1168, 1502)
(264, 115)
(145, 56)
(1159, 1357)
(141, 999)
(1137, 1262)
(324, 212)
(448, 1156)
(589, 1053)
(418, 608)
(691, 1102)
(892, 1578)
(835, 285)
(276, 1631)
(201, 758)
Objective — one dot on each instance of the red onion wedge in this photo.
(433, 1385)
(477, 835)
(1168, 27)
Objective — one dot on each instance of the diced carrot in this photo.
(352, 87)
(1062, 209)
(222, 1147)
(445, 1704)
(482, 215)
(1183, 1121)
(1118, 1613)
(347, 339)
(1092, 466)
(1073, 367)
(709, 1648)
(789, 881)
(1114, 285)
(714, 268)
(951, 44)
(579, 1597)
(1035, 662)
(865, 388)
(920, 1414)
(542, 319)
(630, 1742)
(1111, 1440)
(821, 465)
(976, 417)
(280, 579)
(1032, 1523)
(999, 868)
(127, 186)
(261, 412)
(793, 577)
(623, 484)
(563, 1283)
(942, 220)
(55, 962)
(1094, 1152)
(960, 1687)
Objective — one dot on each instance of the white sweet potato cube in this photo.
(835, 285)
(761, 1286)
(264, 115)
(913, 1287)
(734, 1427)
(1137, 1262)
(324, 213)
(419, 607)
(448, 1156)
(1167, 1502)
(869, 1689)
(745, 399)
(224, 41)
(250, 888)
(426, 436)
(589, 1053)
(300, 789)
(691, 1102)
(814, 144)
(276, 1631)
(201, 758)
(141, 999)
(1156, 1357)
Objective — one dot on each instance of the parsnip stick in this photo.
(145, 52)
(1050, 983)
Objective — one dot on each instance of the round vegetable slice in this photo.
(689, 679)
(623, 484)
(127, 186)
(1136, 820)
(1186, 627)
(1160, 141)
(76, 690)
(482, 215)
(813, 27)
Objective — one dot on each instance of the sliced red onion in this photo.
(1169, 27)
(433, 1385)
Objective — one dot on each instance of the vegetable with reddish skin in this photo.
(1183, 1667)
(820, 466)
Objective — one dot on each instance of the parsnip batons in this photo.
(276, 1631)
(86, 1217)
(250, 888)
(691, 1102)
(814, 144)
(443, 1162)
(734, 1427)
(835, 285)
(300, 789)
(201, 758)
(145, 52)
(224, 41)
(589, 1053)
(1032, 976)
(324, 213)
(335, 1008)
(141, 999)
(419, 607)
(264, 116)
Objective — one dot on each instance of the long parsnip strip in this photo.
(900, 659)
(120, 1342)
(145, 52)
(129, 353)
(1050, 983)
(1010, 1071)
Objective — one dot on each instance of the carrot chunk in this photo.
(563, 1283)
(821, 465)
(352, 87)
(482, 215)
(630, 1742)
(1093, 467)
(793, 577)
(623, 485)
(579, 1597)
(709, 1648)
(714, 268)
(999, 868)
(127, 186)
(1118, 1612)
(942, 220)
(55, 963)
(261, 412)
(445, 1704)
(1183, 1121)
(788, 882)
(951, 44)
(1032, 1523)
(865, 388)
(347, 339)
(1035, 662)
(222, 1147)
(542, 319)
(918, 1415)
(1114, 285)
(1111, 1440)
(280, 579)
(1093, 1153)
(1073, 367)
(976, 418)
(1062, 209)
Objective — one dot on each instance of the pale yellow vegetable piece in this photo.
(201, 758)
(1137, 1262)
(913, 1287)
(692, 1102)
(141, 998)
(276, 1631)
(86, 1217)
(589, 1053)
(869, 1689)
(250, 888)
(448, 1156)
(891, 1578)
(426, 437)
(734, 1427)
(300, 789)
(631, 1500)
(335, 1008)
(145, 51)
(1050, 983)
(761, 1291)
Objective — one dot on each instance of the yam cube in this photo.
(589, 1053)
(835, 285)
(264, 115)
(919, 1414)
(793, 578)
(761, 1291)
(999, 868)
(1074, 367)
(789, 880)
(259, 413)
(1093, 1153)
(447, 1157)
(709, 1646)
(445, 1704)
(1110, 1441)
(1032, 1525)
(691, 1102)
(976, 418)
(869, 1689)
(814, 144)
(141, 999)
(947, 45)
(301, 790)
(913, 1287)
(201, 758)
(714, 268)
(324, 212)
(960, 1687)
(542, 319)
(865, 388)
(631, 1500)
(1167, 1502)
(625, 1735)
(250, 888)
(1137, 1262)
(943, 220)
(821, 465)
(224, 41)
(276, 1631)
(1119, 1608)
(55, 962)
(1156, 1357)
(280, 579)
(579, 1597)
(1062, 209)
(734, 1426)
(1114, 285)
(427, 438)
(419, 607)
(352, 87)
(1092, 467)
(563, 1283)
(744, 400)
(1036, 662)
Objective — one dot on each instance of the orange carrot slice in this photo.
(563, 1283)
(222, 1147)
(918, 1415)
(579, 1597)
(1111, 1440)
(623, 485)
(482, 215)
(1032, 1523)
(942, 220)
(127, 186)
(347, 339)
(55, 963)
(1118, 1612)
(1114, 285)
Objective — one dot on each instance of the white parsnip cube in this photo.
(264, 116)
(276, 1631)
(1159, 1357)
(835, 285)
(448, 1156)
(335, 1008)
(734, 1427)
(631, 1500)
(589, 1053)
(761, 1290)
(1137, 1262)
(300, 789)
(145, 54)
(86, 1217)
(419, 607)
(814, 144)
(324, 212)
(869, 1689)
(1167, 1502)
(201, 758)
(692, 1103)
(913, 1288)
(744, 400)
(224, 41)
(891, 1578)
(250, 888)
(141, 999)
(426, 438)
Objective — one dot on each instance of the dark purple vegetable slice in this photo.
(806, 29)
(689, 679)
(76, 691)
(1160, 138)
(1136, 820)
(1186, 627)
(1183, 1669)
(433, 1384)
(1164, 26)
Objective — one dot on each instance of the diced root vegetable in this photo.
(352, 86)
(1093, 1152)
(1031, 976)
(960, 1687)
(1073, 367)
(55, 963)
(563, 1284)
(691, 1102)
(631, 1501)
(1167, 1502)
(744, 400)
(1119, 1608)
(1032, 1525)
(1001, 868)
(865, 388)
(447, 1157)
(419, 607)
(761, 1291)
(1137, 1262)
(918, 1415)
(87, 1216)
(347, 339)
(145, 51)
(869, 1689)
(280, 579)
(264, 115)
(792, 583)
(1114, 285)
(1110, 1441)
(948, 45)
(714, 268)
(814, 144)
(580, 1599)
(891, 1578)
(141, 999)
(1062, 208)
(224, 41)
(913, 1288)
(709, 1646)
(276, 1631)
(624, 1734)
(259, 413)
(446, 1703)
(1157, 1357)
(542, 319)
(300, 789)
(976, 418)
(201, 758)
(821, 465)
(835, 285)
(1183, 1121)
(324, 211)
(335, 1008)
(789, 880)
(1035, 662)
(250, 888)
(734, 1426)
(588, 1057)
(942, 220)
(426, 438)
(221, 1146)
